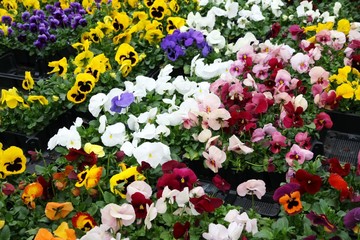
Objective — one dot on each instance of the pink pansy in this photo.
(236, 91)
(216, 86)
(300, 62)
(320, 76)
(282, 98)
(258, 135)
(237, 146)
(283, 77)
(324, 37)
(269, 128)
(209, 103)
(296, 31)
(252, 186)
(245, 53)
(261, 71)
(204, 135)
(138, 186)
(217, 118)
(113, 214)
(214, 158)
(236, 68)
(212, 141)
(323, 120)
(338, 39)
(277, 142)
(258, 104)
(216, 231)
(316, 89)
(191, 121)
(303, 140)
(298, 154)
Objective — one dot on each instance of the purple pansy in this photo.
(122, 101)
(352, 218)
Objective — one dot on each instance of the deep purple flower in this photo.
(33, 19)
(352, 218)
(50, 8)
(75, 6)
(122, 101)
(25, 16)
(10, 31)
(42, 38)
(197, 36)
(6, 20)
(83, 22)
(321, 219)
(39, 44)
(25, 27)
(21, 38)
(54, 23)
(206, 50)
(52, 38)
(33, 27)
(41, 14)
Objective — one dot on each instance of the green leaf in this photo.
(281, 223)
(109, 197)
(40, 169)
(5, 233)
(264, 234)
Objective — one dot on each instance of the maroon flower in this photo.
(120, 155)
(82, 158)
(8, 189)
(169, 166)
(323, 120)
(221, 183)
(355, 62)
(47, 188)
(206, 203)
(296, 32)
(335, 167)
(144, 166)
(309, 183)
(352, 218)
(139, 202)
(293, 118)
(321, 219)
(275, 29)
(181, 230)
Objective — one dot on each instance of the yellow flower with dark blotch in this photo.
(105, 27)
(83, 58)
(64, 4)
(149, 3)
(10, 5)
(95, 35)
(55, 210)
(174, 23)
(31, 192)
(98, 65)
(97, 149)
(126, 68)
(124, 37)
(154, 25)
(82, 46)
(12, 161)
(83, 221)
(59, 67)
(343, 25)
(159, 9)
(89, 177)
(126, 52)
(31, 4)
(120, 181)
(73, 95)
(121, 21)
(41, 99)
(115, 4)
(85, 82)
(345, 90)
(85, 36)
(89, 6)
(174, 6)
(28, 82)
(154, 36)
(139, 16)
(11, 98)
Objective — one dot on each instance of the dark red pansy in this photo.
(335, 167)
(309, 183)
(169, 166)
(206, 203)
(221, 183)
(181, 230)
(81, 157)
(139, 202)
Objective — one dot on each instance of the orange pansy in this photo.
(291, 203)
(31, 192)
(55, 211)
(83, 221)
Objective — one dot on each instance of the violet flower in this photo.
(352, 218)
(122, 101)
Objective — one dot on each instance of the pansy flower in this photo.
(55, 210)
(28, 82)
(83, 221)
(85, 82)
(159, 9)
(322, 220)
(63, 232)
(118, 103)
(120, 21)
(252, 186)
(206, 203)
(181, 230)
(41, 99)
(335, 167)
(309, 183)
(61, 178)
(288, 196)
(11, 98)
(120, 181)
(337, 182)
(12, 161)
(31, 192)
(73, 95)
(352, 219)
(89, 177)
(126, 52)
(81, 157)
(59, 67)
(139, 202)
(221, 183)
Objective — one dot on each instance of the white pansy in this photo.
(172, 102)
(248, 39)
(102, 121)
(208, 71)
(69, 138)
(78, 122)
(276, 7)
(145, 82)
(162, 130)
(128, 148)
(147, 116)
(138, 90)
(96, 102)
(183, 85)
(114, 134)
(215, 39)
(170, 119)
(336, 9)
(256, 13)
(200, 23)
(148, 132)
(132, 123)
(300, 101)
(153, 153)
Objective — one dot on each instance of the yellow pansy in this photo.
(85, 83)
(10, 5)
(12, 161)
(97, 149)
(41, 99)
(83, 58)
(174, 6)
(154, 36)
(126, 52)
(28, 82)
(343, 25)
(96, 35)
(133, 3)
(4, 29)
(31, 4)
(159, 9)
(59, 67)
(126, 68)
(174, 23)
(120, 181)
(89, 177)
(357, 93)
(345, 90)
(83, 46)
(324, 26)
(121, 21)
(2, 223)
(11, 98)
(73, 95)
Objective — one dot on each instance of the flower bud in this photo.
(22, 185)
(8, 189)
(93, 192)
(75, 191)
(120, 156)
